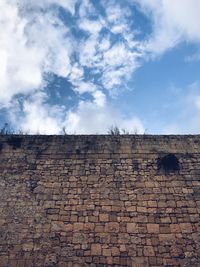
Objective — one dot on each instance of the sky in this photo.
(84, 66)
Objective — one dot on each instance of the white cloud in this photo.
(34, 41)
(114, 62)
(117, 55)
(91, 26)
(104, 44)
(84, 87)
(99, 98)
(91, 119)
(118, 64)
(88, 52)
(76, 74)
(193, 57)
(68, 5)
(116, 14)
(173, 22)
(186, 109)
(86, 8)
(37, 116)
(31, 44)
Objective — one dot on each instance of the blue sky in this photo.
(87, 65)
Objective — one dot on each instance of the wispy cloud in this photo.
(36, 41)
(186, 110)
(32, 43)
(35, 115)
(92, 118)
(173, 22)
(94, 47)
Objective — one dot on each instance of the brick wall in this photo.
(99, 201)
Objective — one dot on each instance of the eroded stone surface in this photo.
(99, 201)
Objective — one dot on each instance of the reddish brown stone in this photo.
(96, 249)
(132, 228)
(112, 227)
(76, 201)
(106, 252)
(153, 228)
(149, 251)
(104, 217)
(186, 227)
(175, 228)
(78, 227)
(115, 251)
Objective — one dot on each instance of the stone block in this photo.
(103, 217)
(152, 228)
(27, 246)
(107, 252)
(149, 251)
(112, 227)
(132, 228)
(96, 250)
(186, 227)
(78, 227)
(115, 251)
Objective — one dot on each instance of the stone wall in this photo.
(99, 201)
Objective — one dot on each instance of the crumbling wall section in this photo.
(99, 201)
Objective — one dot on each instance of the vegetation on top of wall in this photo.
(6, 129)
(115, 130)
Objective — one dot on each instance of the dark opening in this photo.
(168, 163)
(15, 142)
(33, 183)
(135, 165)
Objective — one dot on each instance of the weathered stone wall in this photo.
(99, 201)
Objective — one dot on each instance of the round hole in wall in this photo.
(169, 163)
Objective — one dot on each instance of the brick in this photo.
(186, 227)
(104, 217)
(175, 228)
(112, 227)
(152, 261)
(152, 204)
(77, 227)
(104, 237)
(78, 238)
(138, 262)
(68, 227)
(131, 209)
(166, 237)
(153, 228)
(115, 251)
(109, 260)
(96, 249)
(132, 228)
(149, 251)
(107, 252)
(27, 246)
(99, 201)
(88, 227)
(3, 261)
(142, 209)
(165, 229)
(149, 184)
(122, 248)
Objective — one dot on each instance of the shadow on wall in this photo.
(168, 164)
